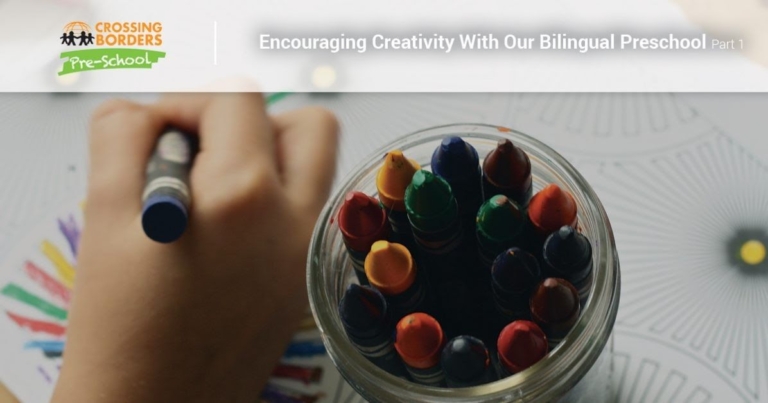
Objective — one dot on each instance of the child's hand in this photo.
(207, 317)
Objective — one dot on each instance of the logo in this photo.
(110, 45)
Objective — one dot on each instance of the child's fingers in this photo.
(307, 151)
(122, 137)
(232, 127)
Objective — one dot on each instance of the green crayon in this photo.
(500, 224)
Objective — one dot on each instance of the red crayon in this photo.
(306, 375)
(362, 222)
(551, 209)
(555, 307)
(419, 341)
(521, 344)
(507, 171)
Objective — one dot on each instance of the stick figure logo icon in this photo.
(77, 33)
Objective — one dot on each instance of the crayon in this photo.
(466, 362)
(500, 225)
(433, 214)
(507, 171)
(363, 312)
(520, 345)
(514, 275)
(457, 162)
(167, 196)
(419, 341)
(393, 178)
(555, 308)
(304, 349)
(437, 230)
(390, 268)
(568, 255)
(362, 222)
(551, 209)
(306, 375)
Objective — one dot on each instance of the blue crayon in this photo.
(48, 347)
(304, 349)
(457, 162)
(466, 362)
(568, 255)
(167, 197)
(363, 312)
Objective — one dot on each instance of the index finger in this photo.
(233, 126)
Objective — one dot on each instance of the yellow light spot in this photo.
(323, 77)
(753, 252)
(67, 80)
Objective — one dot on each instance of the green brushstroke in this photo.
(272, 98)
(24, 296)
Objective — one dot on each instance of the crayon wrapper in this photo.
(168, 169)
(433, 376)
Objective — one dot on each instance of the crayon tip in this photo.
(455, 158)
(521, 344)
(393, 178)
(362, 221)
(427, 194)
(555, 301)
(499, 218)
(566, 249)
(390, 268)
(419, 339)
(507, 166)
(552, 208)
(363, 310)
(465, 358)
(515, 271)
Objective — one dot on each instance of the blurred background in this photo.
(683, 178)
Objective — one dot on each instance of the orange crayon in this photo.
(391, 270)
(551, 209)
(419, 341)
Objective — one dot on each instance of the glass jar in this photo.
(577, 370)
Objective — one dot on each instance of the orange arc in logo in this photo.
(77, 27)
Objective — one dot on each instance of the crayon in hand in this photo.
(520, 345)
(555, 308)
(457, 162)
(500, 225)
(568, 255)
(393, 178)
(514, 275)
(507, 171)
(390, 268)
(466, 362)
(167, 196)
(362, 222)
(363, 312)
(419, 341)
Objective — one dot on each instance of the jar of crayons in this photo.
(467, 263)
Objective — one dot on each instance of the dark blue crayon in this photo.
(466, 362)
(363, 312)
(167, 197)
(514, 275)
(305, 349)
(457, 162)
(568, 255)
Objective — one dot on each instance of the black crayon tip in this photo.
(465, 359)
(567, 250)
(363, 311)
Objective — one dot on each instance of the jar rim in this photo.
(566, 364)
